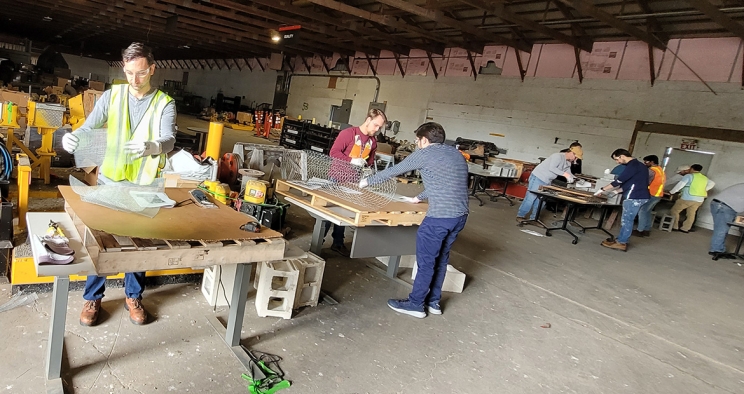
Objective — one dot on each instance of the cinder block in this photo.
(277, 286)
(311, 271)
(217, 284)
(407, 261)
(454, 280)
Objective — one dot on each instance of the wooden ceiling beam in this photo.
(358, 43)
(586, 7)
(466, 28)
(499, 9)
(317, 43)
(719, 17)
(287, 6)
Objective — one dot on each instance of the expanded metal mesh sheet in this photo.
(49, 115)
(118, 196)
(336, 177)
(91, 148)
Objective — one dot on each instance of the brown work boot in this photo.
(89, 315)
(137, 313)
(614, 245)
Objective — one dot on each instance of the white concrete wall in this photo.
(255, 86)
(87, 67)
(601, 114)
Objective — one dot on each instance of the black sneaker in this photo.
(434, 308)
(406, 307)
(340, 249)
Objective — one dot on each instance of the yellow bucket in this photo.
(255, 192)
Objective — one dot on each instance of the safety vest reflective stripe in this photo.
(698, 185)
(656, 188)
(117, 165)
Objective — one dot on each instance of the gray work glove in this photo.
(142, 148)
(359, 162)
(70, 142)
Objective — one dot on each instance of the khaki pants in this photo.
(690, 207)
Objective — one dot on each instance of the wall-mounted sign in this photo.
(689, 144)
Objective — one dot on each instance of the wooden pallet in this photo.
(112, 254)
(392, 214)
(578, 196)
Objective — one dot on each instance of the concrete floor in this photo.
(661, 318)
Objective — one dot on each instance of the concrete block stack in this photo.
(311, 277)
(276, 288)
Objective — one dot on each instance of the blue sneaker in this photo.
(434, 308)
(405, 306)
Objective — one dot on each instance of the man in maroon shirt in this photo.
(355, 145)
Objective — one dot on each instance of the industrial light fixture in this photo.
(47, 19)
(275, 36)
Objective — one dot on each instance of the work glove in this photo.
(363, 183)
(599, 192)
(359, 162)
(412, 200)
(142, 148)
(569, 177)
(70, 142)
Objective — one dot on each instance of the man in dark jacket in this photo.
(634, 182)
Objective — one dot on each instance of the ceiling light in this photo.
(275, 36)
(47, 19)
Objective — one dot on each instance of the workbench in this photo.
(388, 231)
(737, 252)
(573, 201)
(100, 253)
(480, 181)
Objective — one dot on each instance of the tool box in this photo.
(272, 215)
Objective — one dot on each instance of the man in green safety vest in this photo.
(694, 188)
(141, 130)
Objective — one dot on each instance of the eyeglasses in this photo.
(139, 74)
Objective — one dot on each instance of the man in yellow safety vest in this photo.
(694, 188)
(141, 130)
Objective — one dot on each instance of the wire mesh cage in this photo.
(339, 178)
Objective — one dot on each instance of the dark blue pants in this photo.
(434, 240)
(134, 285)
(337, 234)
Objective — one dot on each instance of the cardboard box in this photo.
(89, 100)
(244, 117)
(96, 85)
(91, 175)
(61, 81)
(18, 98)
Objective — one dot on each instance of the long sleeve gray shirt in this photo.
(445, 174)
(555, 165)
(137, 108)
(733, 196)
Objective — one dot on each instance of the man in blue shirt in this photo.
(445, 173)
(634, 182)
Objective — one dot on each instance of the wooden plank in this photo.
(147, 260)
(211, 244)
(107, 241)
(143, 244)
(178, 244)
(125, 242)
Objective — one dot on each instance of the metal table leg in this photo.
(392, 268)
(237, 304)
(56, 342)
(316, 243)
(474, 189)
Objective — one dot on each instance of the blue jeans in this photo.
(630, 211)
(337, 234)
(722, 216)
(644, 215)
(530, 201)
(434, 240)
(134, 285)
